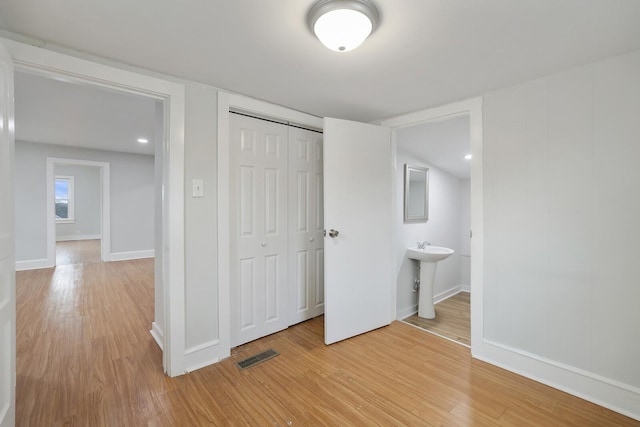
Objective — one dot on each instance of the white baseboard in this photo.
(124, 256)
(602, 391)
(465, 288)
(202, 355)
(33, 264)
(406, 312)
(446, 294)
(78, 237)
(158, 336)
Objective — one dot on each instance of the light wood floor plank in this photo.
(77, 251)
(453, 319)
(86, 358)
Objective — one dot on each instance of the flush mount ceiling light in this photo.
(143, 140)
(342, 25)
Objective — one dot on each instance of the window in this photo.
(64, 195)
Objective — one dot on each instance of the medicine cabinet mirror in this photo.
(416, 193)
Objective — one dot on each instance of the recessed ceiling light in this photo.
(342, 25)
(468, 156)
(143, 140)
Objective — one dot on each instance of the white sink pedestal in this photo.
(428, 257)
(425, 298)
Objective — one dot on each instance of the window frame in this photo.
(71, 217)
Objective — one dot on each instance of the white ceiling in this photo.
(57, 112)
(440, 143)
(424, 53)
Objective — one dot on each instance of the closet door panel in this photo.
(305, 232)
(258, 228)
(247, 285)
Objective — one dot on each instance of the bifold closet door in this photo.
(258, 198)
(306, 240)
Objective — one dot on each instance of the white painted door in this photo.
(358, 203)
(7, 262)
(259, 290)
(306, 243)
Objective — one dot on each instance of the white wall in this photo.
(465, 237)
(30, 203)
(562, 228)
(442, 229)
(87, 189)
(132, 180)
(202, 325)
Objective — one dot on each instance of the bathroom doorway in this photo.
(443, 147)
(444, 140)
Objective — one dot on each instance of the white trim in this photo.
(473, 108)
(33, 264)
(202, 364)
(105, 220)
(602, 391)
(406, 312)
(436, 334)
(77, 237)
(124, 256)
(260, 108)
(158, 336)
(201, 355)
(47, 62)
(446, 294)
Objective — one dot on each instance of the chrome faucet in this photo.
(423, 244)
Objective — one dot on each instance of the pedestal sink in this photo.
(428, 257)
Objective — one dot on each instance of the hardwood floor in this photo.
(453, 319)
(86, 358)
(77, 252)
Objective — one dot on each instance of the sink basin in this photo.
(429, 254)
(428, 258)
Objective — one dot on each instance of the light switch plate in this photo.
(198, 188)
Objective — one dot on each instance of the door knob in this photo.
(333, 233)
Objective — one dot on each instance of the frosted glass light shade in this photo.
(342, 25)
(342, 30)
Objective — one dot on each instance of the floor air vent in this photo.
(258, 358)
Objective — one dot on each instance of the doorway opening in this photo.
(169, 294)
(80, 210)
(443, 147)
(82, 196)
(470, 112)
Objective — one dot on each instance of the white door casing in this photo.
(258, 227)
(306, 212)
(105, 206)
(358, 202)
(7, 262)
(49, 63)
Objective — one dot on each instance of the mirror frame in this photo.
(407, 187)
